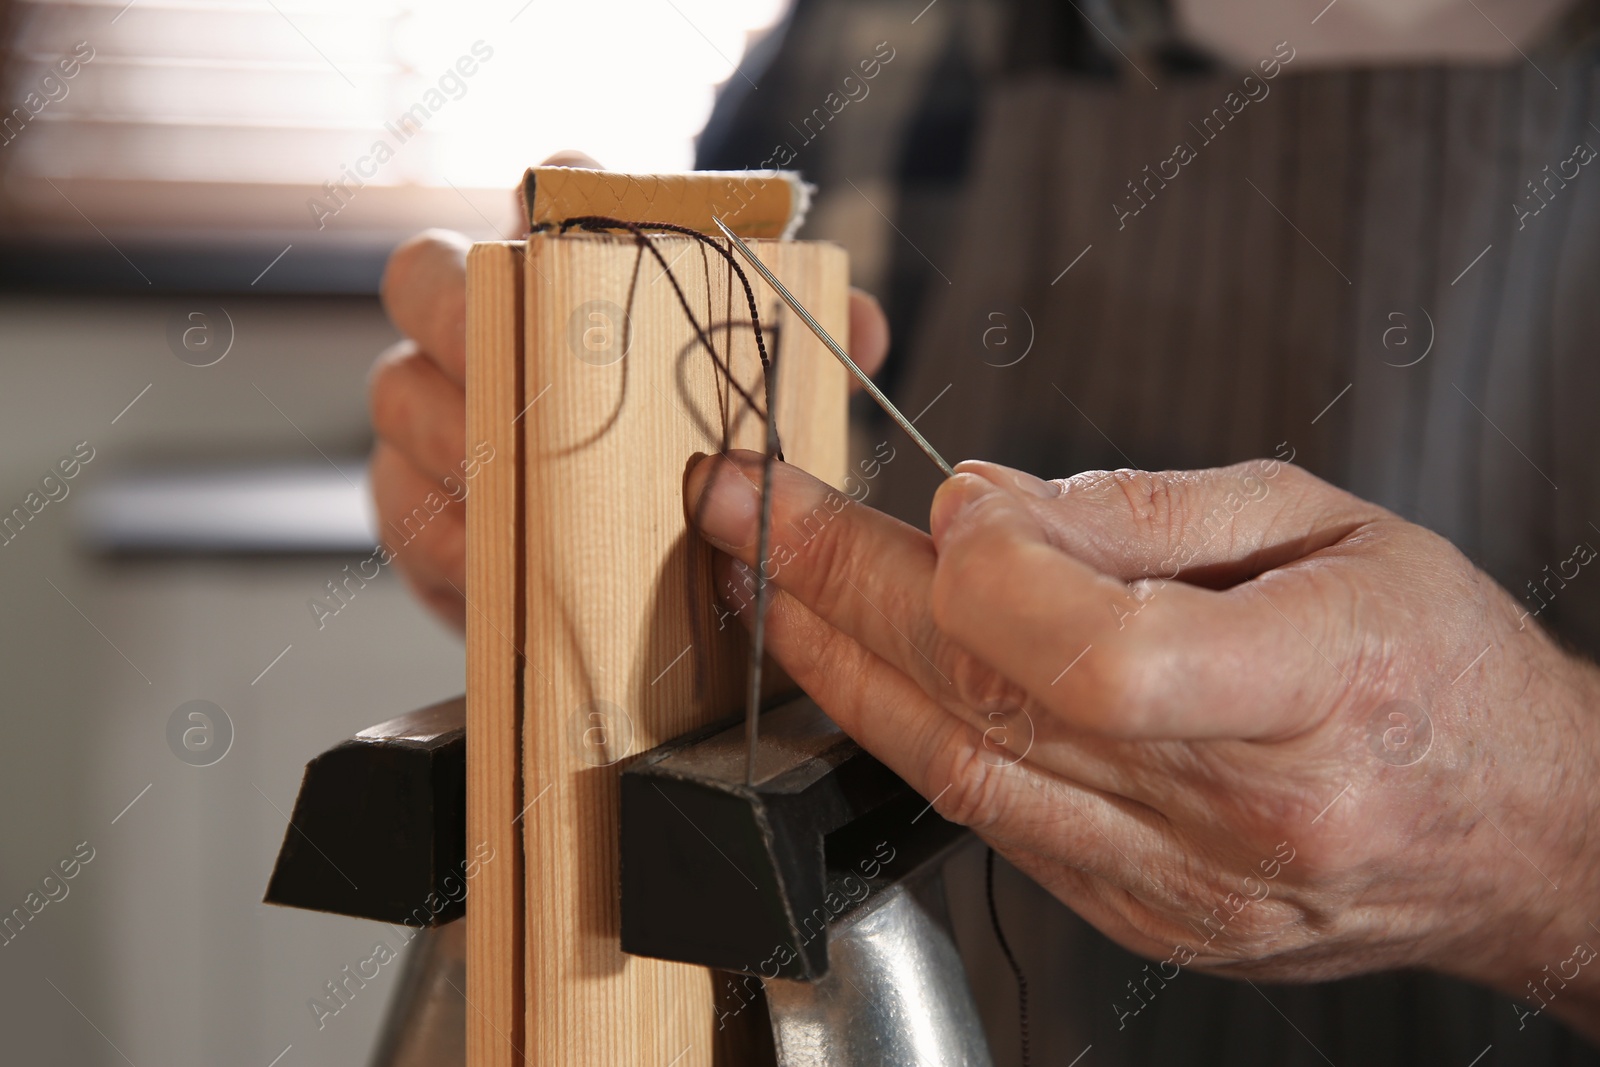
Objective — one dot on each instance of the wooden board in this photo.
(495, 619)
(619, 643)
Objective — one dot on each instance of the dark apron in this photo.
(1350, 266)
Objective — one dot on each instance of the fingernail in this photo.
(725, 506)
(953, 497)
(1010, 477)
(1037, 486)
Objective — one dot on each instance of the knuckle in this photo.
(973, 796)
(1156, 502)
(1236, 916)
(831, 650)
(829, 563)
(389, 399)
(417, 263)
(1111, 674)
(977, 685)
(1115, 680)
(401, 269)
(833, 653)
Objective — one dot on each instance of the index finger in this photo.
(424, 291)
(857, 569)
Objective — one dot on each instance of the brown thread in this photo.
(1016, 968)
(602, 223)
(773, 449)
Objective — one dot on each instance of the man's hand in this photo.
(1235, 718)
(417, 394)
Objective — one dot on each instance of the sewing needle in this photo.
(757, 646)
(833, 346)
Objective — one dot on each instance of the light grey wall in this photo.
(162, 952)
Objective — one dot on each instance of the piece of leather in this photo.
(752, 203)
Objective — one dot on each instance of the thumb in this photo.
(1213, 528)
(1141, 657)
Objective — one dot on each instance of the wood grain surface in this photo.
(494, 655)
(623, 645)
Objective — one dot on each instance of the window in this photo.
(228, 116)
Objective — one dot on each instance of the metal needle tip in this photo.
(833, 346)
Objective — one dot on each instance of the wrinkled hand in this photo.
(417, 395)
(1236, 719)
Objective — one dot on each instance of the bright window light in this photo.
(294, 91)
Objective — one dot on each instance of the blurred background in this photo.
(194, 214)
